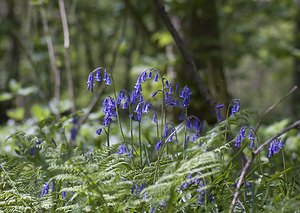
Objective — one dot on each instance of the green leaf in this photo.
(27, 91)
(40, 113)
(5, 96)
(16, 114)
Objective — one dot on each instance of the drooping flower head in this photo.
(158, 145)
(122, 149)
(185, 95)
(251, 137)
(275, 147)
(109, 110)
(218, 108)
(240, 137)
(235, 106)
(90, 82)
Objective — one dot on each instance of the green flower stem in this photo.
(140, 144)
(117, 109)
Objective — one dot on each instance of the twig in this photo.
(51, 53)
(254, 154)
(271, 108)
(185, 54)
(64, 22)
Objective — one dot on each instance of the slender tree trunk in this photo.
(296, 81)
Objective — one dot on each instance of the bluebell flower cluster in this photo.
(185, 95)
(135, 103)
(235, 106)
(34, 147)
(109, 110)
(242, 135)
(96, 74)
(275, 146)
(136, 189)
(218, 108)
(45, 189)
(194, 126)
(198, 182)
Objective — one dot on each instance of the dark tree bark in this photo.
(203, 37)
(296, 81)
(12, 53)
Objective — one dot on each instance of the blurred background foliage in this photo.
(243, 49)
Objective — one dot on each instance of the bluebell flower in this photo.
(139, 111)
(147, 107)
(32, 150)
(130, 155)
(167, 83)
(38, 142)
(109, 110)
(154, 118)
(143, 76)
(172, 134)
(120, 97)
(63, 194)
(188, 123)
(251, 137)
(197, 125)
(156, 77)
(275, 147)
(45, 189)
(165, 133)
(218, 111)
(240, 137)
(154, 94)
(149, 75)
(158, 145)
(122, 149)
(187, 139)
(106, 78)
(134, 97)
(181, 117)
(170, 91)
(280, 143)
(90, 82)
(98, 75)
(125, 104)
(73, 133)
(185, 95)
(73, 130)
(184, 185)
(235, 106)
(98, 132)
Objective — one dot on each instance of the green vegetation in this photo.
(195, 107)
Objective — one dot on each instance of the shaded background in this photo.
(242, 49)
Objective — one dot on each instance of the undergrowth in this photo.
(141, 158)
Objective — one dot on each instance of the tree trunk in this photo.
(202, 35)
(296, 96)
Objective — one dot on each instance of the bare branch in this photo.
(51, 53)
(271, 108)
(254, 154)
